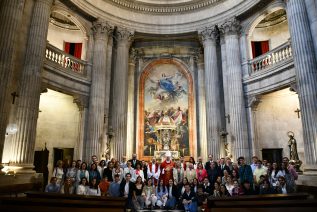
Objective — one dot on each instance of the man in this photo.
(229, 164)
(134, 161)
(52, 187)
(222, 166)
(245, 172)
(123, 163)
(283, 188)
(153, 171)
(114, 188)
(167, 168)
(258, 172)
(182, 162)
(290, 168)
(144, 168)
(206, 187)
(212, 173)
(210, 161)
(126, 189)
(189, 199)
(199, 160)
(253, 165)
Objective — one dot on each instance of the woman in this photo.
(138, 199)
(117, 170)
(289, 178)
(225, 176)
(229, 185)
(82, 172)
(191, 161)
(67, 188)
(178, 173)
(93, 189)
(172, 195)
(273, 178)
(235, 175)
(129, 169)
(101, 166)
(237, 190)
(223, 191)
(138, 172)
(72, 172)
(82, 187)
(216, 192)
(194, 185)
(181, 186)
(94, 173)
(201, 173)
(161, 194)
(59, 172)
(148, 194)
(104, 186)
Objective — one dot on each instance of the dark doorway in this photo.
(272, 155)
(63, 154)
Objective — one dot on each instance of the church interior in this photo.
(186, 78)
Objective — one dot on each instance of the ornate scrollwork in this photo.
(231, 26)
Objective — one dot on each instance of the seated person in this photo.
(161, 194)
(189, 199)
(52, 187)
(114, 188)
(283, 188)
(247, 189)
(93, 189)
(201, 199)
(104, 186)
(265, 187)
(148, 194)
(82, 187)
(67, 187)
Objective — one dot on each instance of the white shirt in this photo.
(126, 189)
(81, 190)
(94, 192)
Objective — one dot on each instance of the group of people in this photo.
(173, 184)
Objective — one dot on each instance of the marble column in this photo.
(97, 90)
(253, 103)
(237, 111)
(225, 91)
(107, 96)
(311, 7)
(203, 151)
(212, 86)
(82, 103)
(30, 88)
(131, 103)
(120, 93)
(10, 16)
(306, 76)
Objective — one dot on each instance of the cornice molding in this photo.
(157, 9)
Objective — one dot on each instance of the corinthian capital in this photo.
(209, 34)
(102, 29)
(124, 35)
(231, 26)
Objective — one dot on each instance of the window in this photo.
(73, 49)
(259, 48)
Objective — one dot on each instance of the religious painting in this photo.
(166, 96)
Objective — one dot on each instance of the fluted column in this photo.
(203, 151)
(212, 85)
(30, 87)
(237, 111)
(97, 90)
(131, 102)
(107, 96)
(120, 93)
(82, 103)
(306, 76)
(311, 7)
(10, 17)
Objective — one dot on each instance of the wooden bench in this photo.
(268, 202)
(38, 201)
(19, 188)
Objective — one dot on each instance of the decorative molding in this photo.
(124, 35)
(101, 28)
(231, 26)
(81, 101)
(159, 9)
(78, 10)
(293, 87)
(209, 34)
(254, 101)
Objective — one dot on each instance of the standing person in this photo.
(273, 178)
(153, 171)
(72, 172)
(129, 169)
(222, 167)
(117, 170)
(212, 173)
(178, 173)
(259, 171)
(210, 161)
(245, 172)
(253, 165)
(82, 172)
(108, 171)
(94, 173)
(138, 172)
(201, 173)
(144, 168)
(134, 161)
(58, 172)
(101, 167)
(167, 168)
(182, 162)
(123, 163)
(189, 199)
(190, 173)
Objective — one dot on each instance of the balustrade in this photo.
(276, 55)
(67, 61)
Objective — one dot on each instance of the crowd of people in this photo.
(173, 184)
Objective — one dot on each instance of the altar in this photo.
(160, 155)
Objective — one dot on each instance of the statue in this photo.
(293, 154)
